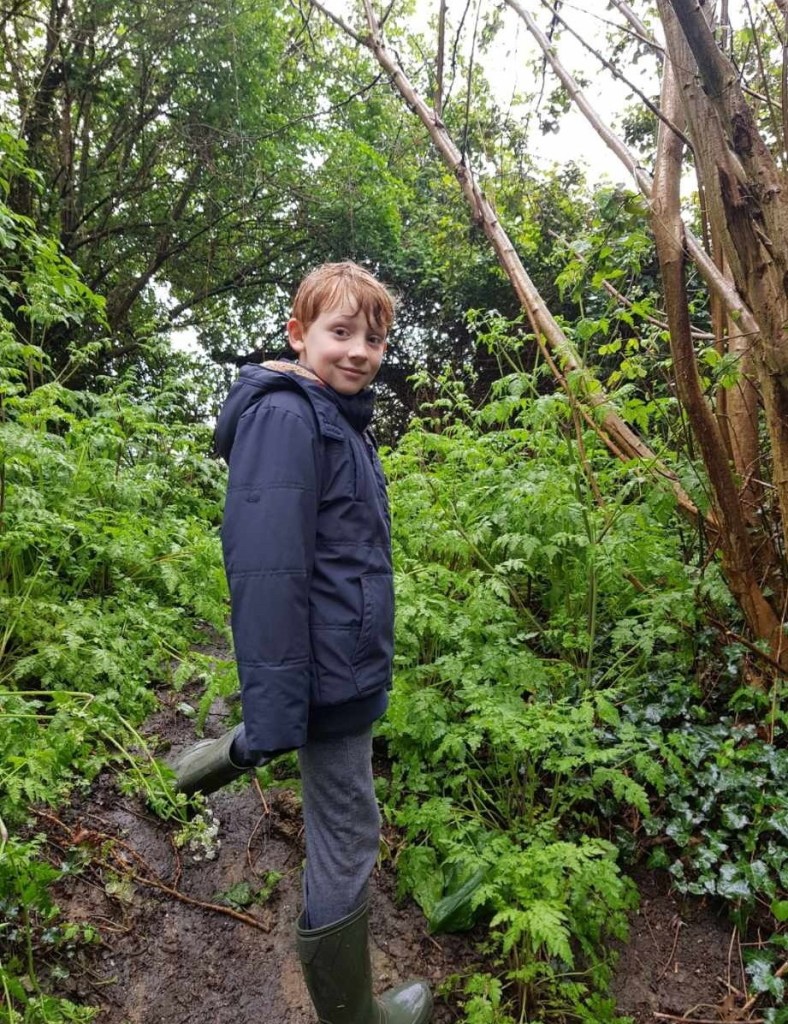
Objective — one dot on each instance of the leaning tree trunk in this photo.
(558, 349)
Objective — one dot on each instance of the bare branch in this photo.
(724, 23)
(387, 12)
(620, 297)
(455, 48)
(339, 22)
(466, 152)
(372, 21)
(616, 73)
(764, 77)
(635, 22)
(439, 59)
(715, 280)
(784, 75)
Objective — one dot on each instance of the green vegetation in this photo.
(577, 690)
(107, 564)
(559, 701)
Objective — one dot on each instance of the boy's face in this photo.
(341, 347)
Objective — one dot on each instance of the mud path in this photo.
(182, 959)
(170, 951)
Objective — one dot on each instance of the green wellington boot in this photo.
(206, 766)
(338, 974)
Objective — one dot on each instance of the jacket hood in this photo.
(332, 411)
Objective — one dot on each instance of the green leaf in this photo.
(731, 883)
(763, 979)
(238, 896)
(456, 912)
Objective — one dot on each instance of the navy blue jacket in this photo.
(307, 551)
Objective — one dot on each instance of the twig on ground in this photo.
(96, 982)
(249, 842)
(706, 1020)
(664, 971)
(650, 929)
(178, 895)
(108, 925)
(731, 987)
(149, 878)
(729, 983)
(261, 794)
(177, 861)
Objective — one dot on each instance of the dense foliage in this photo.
(576, 688)
(107, 563)
(552, 665)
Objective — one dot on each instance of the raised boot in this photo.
(208, 765)
(338, 974)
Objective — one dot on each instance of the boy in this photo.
(307, 550)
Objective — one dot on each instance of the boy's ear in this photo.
(295, 334)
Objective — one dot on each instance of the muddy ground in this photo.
(173, 950)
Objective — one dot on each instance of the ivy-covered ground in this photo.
(206, 932)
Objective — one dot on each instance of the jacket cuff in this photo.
(275, 702)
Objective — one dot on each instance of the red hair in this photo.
(334, 285)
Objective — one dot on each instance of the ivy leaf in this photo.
(763, 979)
(731, 884)
(733, 819)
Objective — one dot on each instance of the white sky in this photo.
(507, 70)
(576, 140)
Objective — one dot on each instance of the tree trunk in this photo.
(748, 207)
(737, 556)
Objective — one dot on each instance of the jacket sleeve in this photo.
(268, 539)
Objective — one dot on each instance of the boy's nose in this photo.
(357, 349)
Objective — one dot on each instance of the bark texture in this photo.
(737, 555)
(747, 204)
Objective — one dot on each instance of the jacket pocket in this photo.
(375, 647)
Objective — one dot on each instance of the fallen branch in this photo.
(203, 904)
(80, 836)
(664, 971)
(706, 1020)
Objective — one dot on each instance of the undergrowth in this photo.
(108, 560)
(547, 617)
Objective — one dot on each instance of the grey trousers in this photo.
(342, 823)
